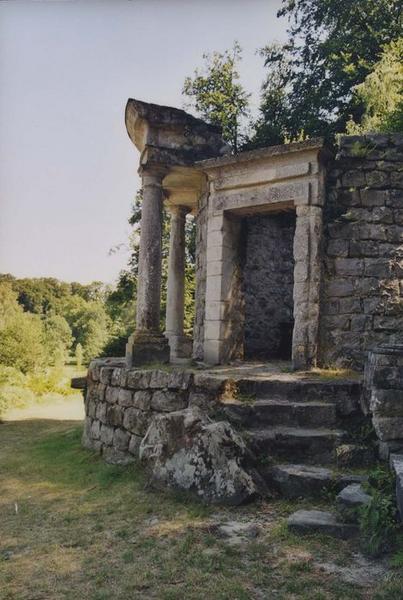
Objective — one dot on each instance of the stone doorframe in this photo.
(289, 177)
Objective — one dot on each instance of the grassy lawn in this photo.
(72, 527)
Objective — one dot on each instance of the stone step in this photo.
(296, 443)
(306, 481)
(305, 522)
(344, 393)
(282, 412)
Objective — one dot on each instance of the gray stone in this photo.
(142, 400)
(113, 456)
(106, 374)
(121, 439)
(101, 413)
(396, 462)
(138, 380)
(167, 401)
(350, 500)
(305, 522)
(106, 435)
(388, 428)
(114, 415)
(125, 397)
(134, 445)
(188, 451)
(111, 394)
(95, 430)
(136, 421)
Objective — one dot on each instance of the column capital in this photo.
(152, 174)
(178, 210)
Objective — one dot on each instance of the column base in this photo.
(144, 348)
(180, 347)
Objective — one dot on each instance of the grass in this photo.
(73, 527)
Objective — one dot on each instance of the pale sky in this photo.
(67, 167)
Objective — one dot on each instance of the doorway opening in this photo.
(268, 282)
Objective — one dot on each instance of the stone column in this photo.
(147, 344)
(180, 345)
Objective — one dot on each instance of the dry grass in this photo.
(74, 528)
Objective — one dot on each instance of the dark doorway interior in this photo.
(268, 279)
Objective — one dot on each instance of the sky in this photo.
(68, 171)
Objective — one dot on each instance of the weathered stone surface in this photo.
(111, 394)
(167, 401)
(114, 456)
(396, 462)
(136, 421)
(106, 435)
(388, 428)
(121, 439)
(106, 375)
(142, 399)
(186, 450)
(138, 380)
(134, 445)
(350, 500)
(95, 429)
(305, 522)
(125, 397)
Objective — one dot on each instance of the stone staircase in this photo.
(294, 428)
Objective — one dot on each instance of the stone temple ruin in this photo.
(299, 264)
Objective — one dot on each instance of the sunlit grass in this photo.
(73, 527)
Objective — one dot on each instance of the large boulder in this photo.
(186, 450)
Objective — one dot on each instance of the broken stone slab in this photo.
(237, 533)
(350, 500)
(396, 463)
(186, 450)
(305, 522)
(304, 481)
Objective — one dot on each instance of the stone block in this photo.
(106, 435)
(136, 421)
(371, 197)
(114, 415)
(396, 179)
(121, 439)
(353, 179)
(305, 522)
(125, 397)
(159, 379)
(106, 375)
(377, 267)
(142, 400)
(163, 401)
(387, 403)
(382, 214)
(179, 379)
(354, 455)
(348, 266)
(375, 231)
(350, 500)
(101, 412)
(363, 248)
(395, 199)
(116, 374)
(138, 380)
(388, 428)
(134, 445)
(339, 287)
(111, 394)
(337, 247)
(113, 456)
(377, 179)
(95, 430)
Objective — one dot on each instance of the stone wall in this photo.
(362, 292)
(120, 403)
(268, 285)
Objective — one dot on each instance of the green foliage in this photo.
(21, 342)
(381, 94)
(58, 339)
(378, 519)
(332, 46)
(217, 95)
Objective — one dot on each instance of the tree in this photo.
(332, 46)
(58, 339)
(217, 96)
(381, 93)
